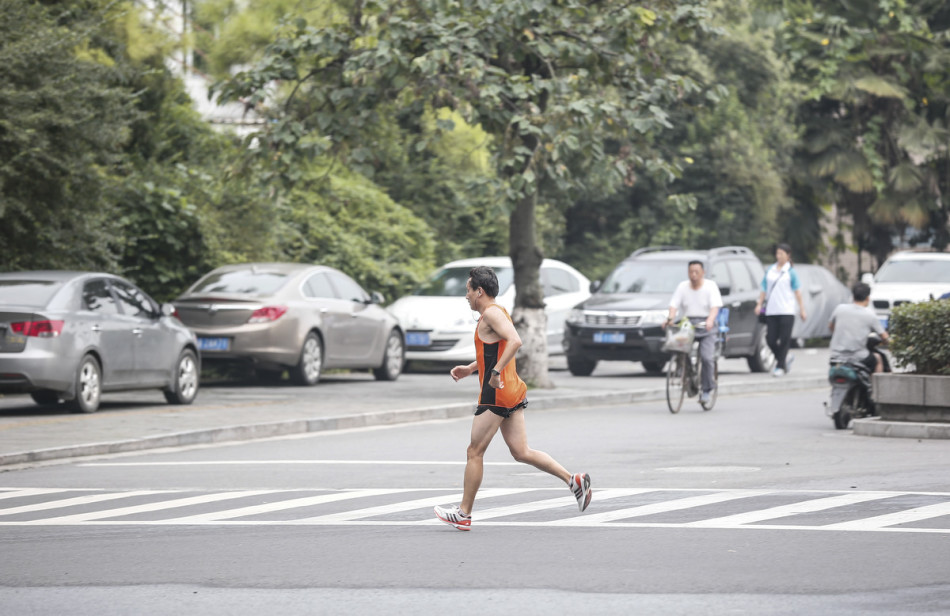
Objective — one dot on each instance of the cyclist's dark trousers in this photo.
(778, 336)
(707, 355)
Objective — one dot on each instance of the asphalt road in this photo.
(757, 507)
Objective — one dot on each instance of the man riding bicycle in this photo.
(699, 300)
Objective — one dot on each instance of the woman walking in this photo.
(780, 292)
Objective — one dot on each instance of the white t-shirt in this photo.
(696, 303)
(780, 285)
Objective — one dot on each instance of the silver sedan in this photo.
(74, 335)
(289, 316)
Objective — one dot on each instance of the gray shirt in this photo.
(852, 324)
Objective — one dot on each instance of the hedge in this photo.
(920, 336)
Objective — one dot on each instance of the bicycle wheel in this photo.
(676, 382)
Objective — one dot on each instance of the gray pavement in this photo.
(239, 411)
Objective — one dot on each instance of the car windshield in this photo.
(450, 282)
(27, 292)
(244, 282)
(937, 270)
(645, 277)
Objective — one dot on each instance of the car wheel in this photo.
(45, 397)
(88, 386)
(393, 358)
(580, 366)
(762, 358)
(654, 367)
(185, 385)
(308, 368)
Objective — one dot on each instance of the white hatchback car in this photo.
(440, 326)
(908, 277)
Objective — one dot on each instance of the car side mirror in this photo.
(595, 286)
(168, 310)
(725, 289)
(867, 278)
(376, 298)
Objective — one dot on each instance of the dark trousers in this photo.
(778, 335)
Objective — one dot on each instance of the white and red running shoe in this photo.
(454, 516)
(580, 486)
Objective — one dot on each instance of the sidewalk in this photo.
(141, 420)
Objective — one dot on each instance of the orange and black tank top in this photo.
(514, 391)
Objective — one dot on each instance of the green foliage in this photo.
(351, 225)
(920, 336)
(730, 141)
(874, 113)
(64, 119)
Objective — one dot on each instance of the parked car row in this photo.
(71, 336)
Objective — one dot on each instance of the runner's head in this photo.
(483, 278)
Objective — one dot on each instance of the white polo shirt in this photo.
(696, 303)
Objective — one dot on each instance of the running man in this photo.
(503, 396)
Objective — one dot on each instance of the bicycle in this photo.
(684, 370)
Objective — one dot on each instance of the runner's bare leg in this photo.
(516, 437)
(484, 427)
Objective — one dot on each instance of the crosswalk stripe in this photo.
(76, 501)
(171, 504)
(19, 493)
(295, 503)
(409, 505)
(900, 517)
(809, 506)
(567, 500)
(662, 507)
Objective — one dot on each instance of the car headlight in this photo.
(654, 317)
(576, 316)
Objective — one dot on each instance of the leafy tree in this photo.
(550, 83)
(732, 138)
(874, 113)
(64, 119)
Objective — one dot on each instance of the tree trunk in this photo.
(529, 317)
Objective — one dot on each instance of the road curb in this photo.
(875, 426)
(380, 418)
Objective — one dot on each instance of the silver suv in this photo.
(621, 320)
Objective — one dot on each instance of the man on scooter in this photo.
(850, 326)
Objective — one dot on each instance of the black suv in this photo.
(621, 320)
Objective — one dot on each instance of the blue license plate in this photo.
(418, 339)
(884, 322)
(214, 344)
(610, 337)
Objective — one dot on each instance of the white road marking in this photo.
(409, 505)
(171, 504)
(661, 507)
(899, 517)
(281, 462)
(21, 492)
(75, 501)
(523, 502)
(280, 506)
(809, 506)
(567, 500)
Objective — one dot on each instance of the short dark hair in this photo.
(696, 262)
(484, 277)
(786, 248)
(860, 291)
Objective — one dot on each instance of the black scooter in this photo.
(851, 388)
